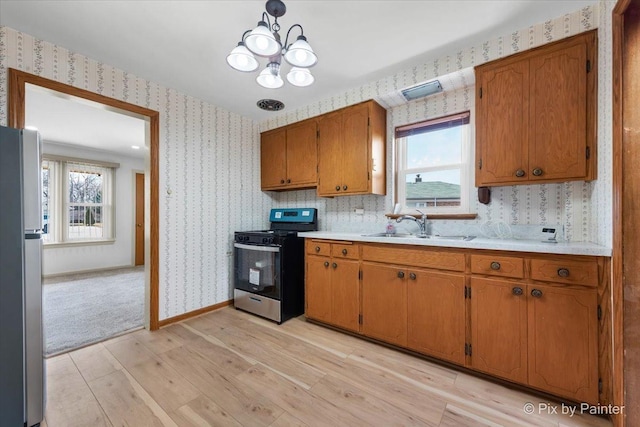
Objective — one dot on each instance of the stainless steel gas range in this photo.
(269, 265)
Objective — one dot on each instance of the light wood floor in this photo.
(229, 368)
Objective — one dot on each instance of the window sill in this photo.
(79, 243)
(437, 216)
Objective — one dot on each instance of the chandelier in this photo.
(264, 40)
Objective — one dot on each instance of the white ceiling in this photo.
(73, 121)
(183, 44)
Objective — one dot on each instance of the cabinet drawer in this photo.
(574, 272)
(318, 248)
(339, 250)
(497, 265)
(415, 257)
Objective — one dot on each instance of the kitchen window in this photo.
(77, 200)
(434, 165)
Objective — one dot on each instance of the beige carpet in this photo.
(85, 308)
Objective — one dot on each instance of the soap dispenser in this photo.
(391, 227)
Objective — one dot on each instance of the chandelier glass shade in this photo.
(264, 41)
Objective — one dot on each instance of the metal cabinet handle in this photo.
(334, 265)
(282, 181)
(288, 181)
(563, 272)
(412, 276)
(520, 173)
(337, 188)
(326, 263)
(344, 252)
(344, 187)
(516, 290)
(537, 172)
(317, 248)
(401, 274)
(495, 265)
(536, 293)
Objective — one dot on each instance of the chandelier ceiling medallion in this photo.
(264, 40)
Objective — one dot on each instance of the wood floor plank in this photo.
(288, 420)
(302, 404)
(363, 405)
(129, 352)
(270, 355)
(122, 403)
(250, 407)
(202, 412)
(157, 341)
(456, 417)
(170, 389)
(70, 402)
(95, 361)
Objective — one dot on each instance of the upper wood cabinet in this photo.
(536, 115)
(351, 151)
(288, 157)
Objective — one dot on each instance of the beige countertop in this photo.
(564, 248)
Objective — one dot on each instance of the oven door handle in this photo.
(257, 247)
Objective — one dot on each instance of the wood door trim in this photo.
(617, 283)
(17, 91)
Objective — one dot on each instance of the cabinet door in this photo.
(302, 155)
(558, 126)
(563, 341)
(345, 294)
(502, 123)
(384, 303)
(318, 288)
(273, 159)
(436, 314)
(356, 154)
(499, 328)
(329, 155)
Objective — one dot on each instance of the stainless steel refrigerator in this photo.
(22, 371)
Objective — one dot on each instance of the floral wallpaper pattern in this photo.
(210, 165)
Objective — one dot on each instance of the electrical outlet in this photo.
(358, 211)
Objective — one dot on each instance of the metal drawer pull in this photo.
(401, 274)
(288, 181)
(495, 265)
(520, 173)
(412, 276)
(337, 188)
(344, 252)
(536, 293)
(334, 265)
(563, 272)
(516, 290)
(326, 263)
(344, 187)
(537, 172)
(317, 248)
(282, 181)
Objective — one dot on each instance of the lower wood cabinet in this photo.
(384, 302)
(436, 314)
(333, 287)
(518, 317)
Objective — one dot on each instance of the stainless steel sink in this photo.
(431, 237)
(465, 238)
(389, 235)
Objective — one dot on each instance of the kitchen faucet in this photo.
(422, 222)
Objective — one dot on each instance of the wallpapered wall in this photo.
(584, 209)
(209, 157)
(209, 169)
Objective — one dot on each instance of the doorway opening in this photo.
(18, 81)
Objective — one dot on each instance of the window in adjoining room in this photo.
(77, 200)
(434, 165)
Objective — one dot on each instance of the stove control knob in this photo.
(265, 240)
(270, 240)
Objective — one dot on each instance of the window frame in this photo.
(59, 205)
(466, 165)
